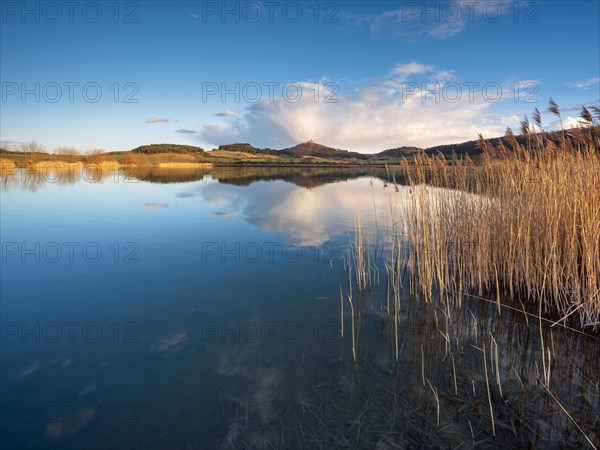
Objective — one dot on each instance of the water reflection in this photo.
(232, 353)
(269, 198)
(33, 179)
(306, 215)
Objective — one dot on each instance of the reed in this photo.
(571, 419)
(517, 232)
(487, 385)
(523, 225)
(353, 328)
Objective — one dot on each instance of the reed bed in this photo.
(7, 166)
(531, 233)
(519, 231)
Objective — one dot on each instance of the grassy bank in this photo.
(104, 161)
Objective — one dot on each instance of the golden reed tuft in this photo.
(531, 233)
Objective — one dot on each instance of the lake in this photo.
(201, 309)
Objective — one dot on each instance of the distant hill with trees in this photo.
(311, 148)
(399, 152)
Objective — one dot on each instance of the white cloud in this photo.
(383, 114)
(567, 122)
(510, 120)
(157, 206)
(186, 131)
(225, 113)
(171, 341)
(157, 119)
(411, 68)
(407, 23)
(439, 20)
(214, 132)
(444, 75)
(584, 84)
(28, 370)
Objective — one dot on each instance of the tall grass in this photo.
(530, 233)
(520, 230)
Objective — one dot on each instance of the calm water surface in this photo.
(202, 310)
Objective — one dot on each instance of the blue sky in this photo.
(363, 76)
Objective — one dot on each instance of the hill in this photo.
(471, 148)
(399, 152)
(311, 148)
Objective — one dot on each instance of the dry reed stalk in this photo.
(487, 384)
(571, 418)
(437, 399)
(497, 362)
(423, 365)
(454, 372)
(341, 312)
(353, 327)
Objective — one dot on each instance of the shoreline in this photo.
(61, 164)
